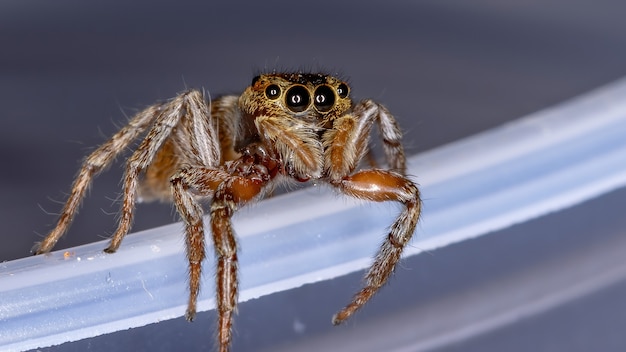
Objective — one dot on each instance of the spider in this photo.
(233, 150)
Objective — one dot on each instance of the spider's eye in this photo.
(272, 91)
(342, 90)
(324, 98)
(297, 99)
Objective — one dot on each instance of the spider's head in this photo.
(311, 97)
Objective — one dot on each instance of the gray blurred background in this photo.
(71, 72)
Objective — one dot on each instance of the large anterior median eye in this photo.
(324, 98)
(297, 98)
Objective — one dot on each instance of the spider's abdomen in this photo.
(155, 184)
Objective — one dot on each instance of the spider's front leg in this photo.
(345, 145)
(231, 187)
(380, 186)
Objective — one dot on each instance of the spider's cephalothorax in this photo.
(291, 113)
(232, 151)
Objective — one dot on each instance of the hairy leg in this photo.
(187, 183)
(390, 133)
(231, 186)
(347, 142)
(92, 166)
(380, 186)
(191, 112)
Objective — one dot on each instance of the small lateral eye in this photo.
(272, 91)
(324, 98)
(297, 98)
(342, 90)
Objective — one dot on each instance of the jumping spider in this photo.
(233, 150)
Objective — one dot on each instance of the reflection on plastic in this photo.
(544, 162)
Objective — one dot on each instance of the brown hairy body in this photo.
(233, 150)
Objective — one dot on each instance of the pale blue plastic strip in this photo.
(535, 165)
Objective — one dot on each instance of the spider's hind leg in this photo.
(97, 161)
(188, 114)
